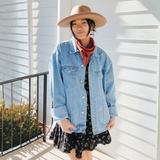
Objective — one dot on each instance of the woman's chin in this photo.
(80, 37)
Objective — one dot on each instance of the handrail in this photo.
(44, 107)
(24, 77)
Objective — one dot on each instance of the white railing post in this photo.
(30, 42)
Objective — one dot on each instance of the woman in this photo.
(82, 88)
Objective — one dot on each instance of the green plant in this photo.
(19, 115)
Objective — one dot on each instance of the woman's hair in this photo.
(90, 22)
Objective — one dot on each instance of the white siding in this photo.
(44, 41)
(14, 47)
(131, 38)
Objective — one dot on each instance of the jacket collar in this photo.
(74, 49)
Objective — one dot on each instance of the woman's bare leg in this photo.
(72, 155)
(88, 155)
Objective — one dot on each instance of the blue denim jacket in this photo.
(67, 75)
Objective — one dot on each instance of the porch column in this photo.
(64, 10)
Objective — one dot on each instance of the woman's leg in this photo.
(88, 155)
(72, 155)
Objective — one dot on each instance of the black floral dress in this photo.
(80, 141)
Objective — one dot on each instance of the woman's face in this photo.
(80, 28)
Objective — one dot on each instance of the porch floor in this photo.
(39, 150)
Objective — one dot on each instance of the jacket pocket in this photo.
(98, 70)
(69, 76)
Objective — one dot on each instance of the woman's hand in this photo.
(65, 124)
(111, 124)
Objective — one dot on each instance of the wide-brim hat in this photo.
(83, 11)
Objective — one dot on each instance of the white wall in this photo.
(14, 47)
(130, 38)
(44, 41)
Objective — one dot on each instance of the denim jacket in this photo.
(67, 76)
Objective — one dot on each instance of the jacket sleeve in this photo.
(110, 93)
(59, 111)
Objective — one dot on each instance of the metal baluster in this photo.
(20, 124)
(44, 106)
(2, 120)
(37, 101)
(29, 104)
(11, 114)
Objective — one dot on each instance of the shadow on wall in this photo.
(130, 38)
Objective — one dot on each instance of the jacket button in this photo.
(82, 112)
(83, 97)
(81, 81)
(82, 65)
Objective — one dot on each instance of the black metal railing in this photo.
(44, 74)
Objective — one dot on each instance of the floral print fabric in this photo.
(80, 141)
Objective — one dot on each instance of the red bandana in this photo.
(86, 52)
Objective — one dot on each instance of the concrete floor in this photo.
(39, 150)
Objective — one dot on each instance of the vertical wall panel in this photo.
(44, 15)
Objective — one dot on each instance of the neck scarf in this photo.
(86, 52)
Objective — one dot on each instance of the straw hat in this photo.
(83, 11)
